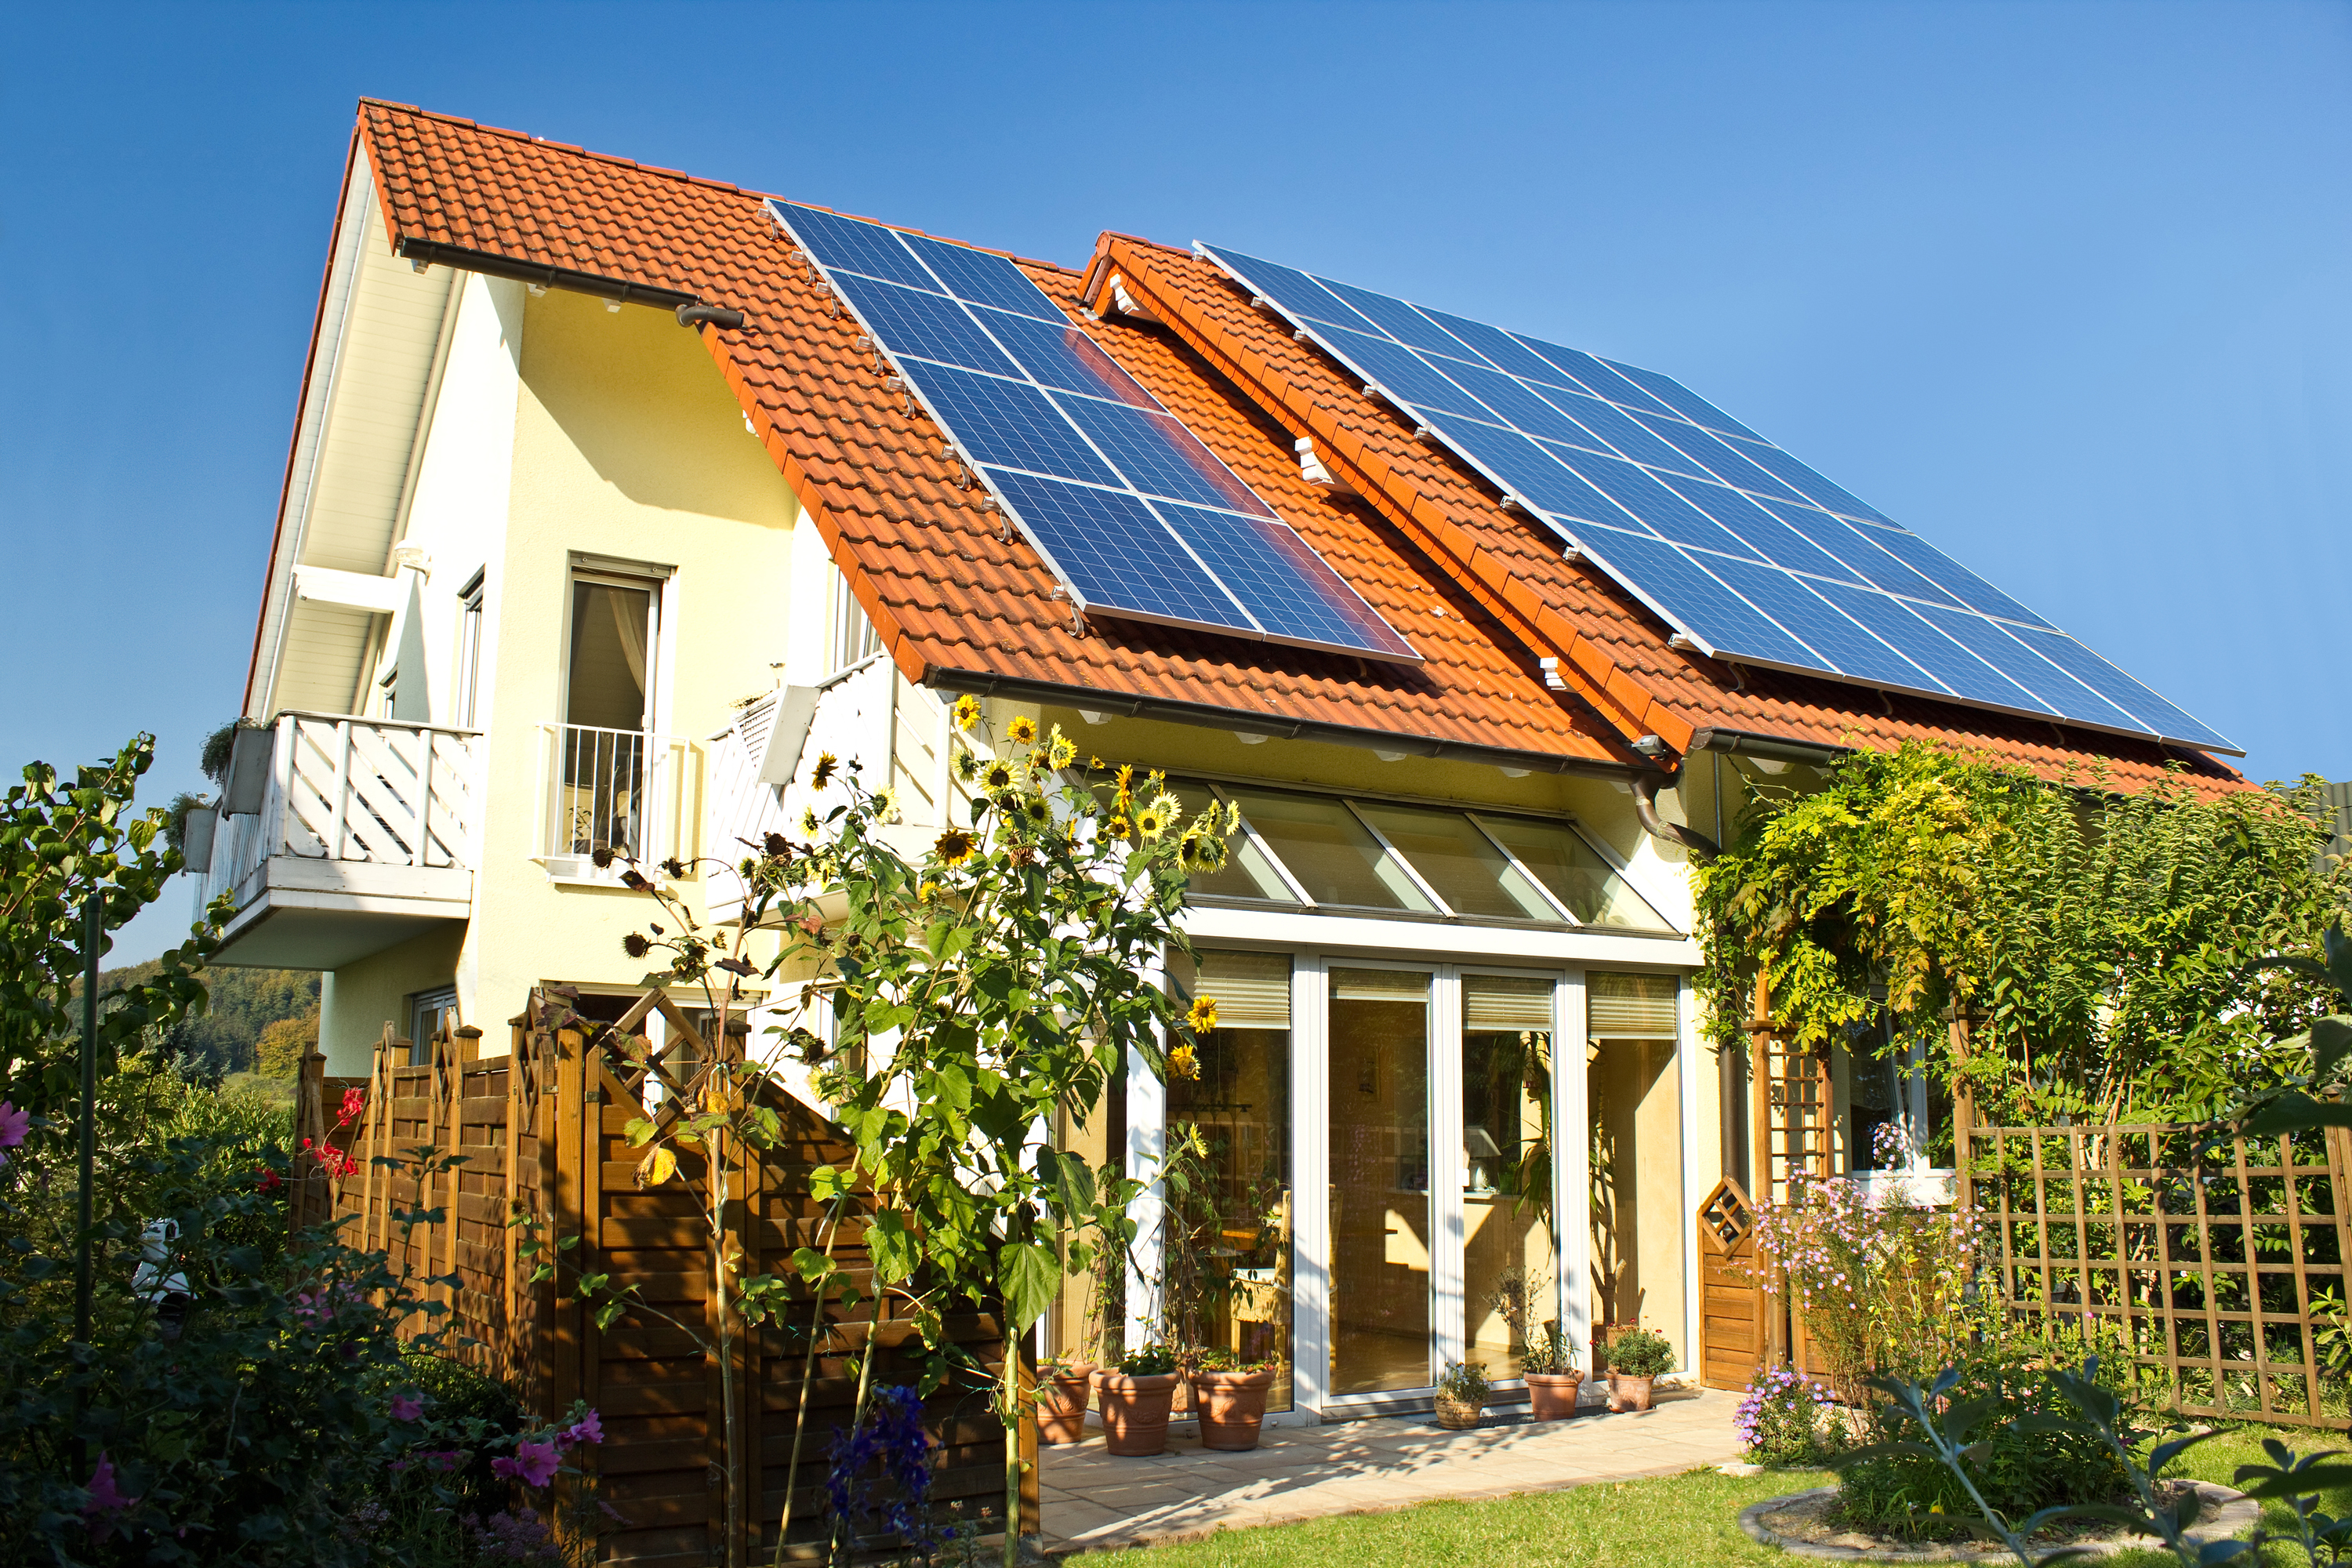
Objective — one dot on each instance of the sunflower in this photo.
(1202, 851)
(1203, 1015)
(1125, 783)
(1035, 812)
(827, 764)
(636, 946)
(1169, 806)
(999, 776)
(966, 765)
(885, 805)
(1061, 751)
(954, 846)
(967, 711)
(1119, 827)
(1232, 819)
(1021, 731)
(1151, 822)
(809, 824)
(1182, 1063)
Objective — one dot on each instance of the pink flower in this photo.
(589, 1428)
(13, 1125)
(404, 1408)
(106, 1499)
(534, 1464)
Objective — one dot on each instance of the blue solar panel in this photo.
(1010, 425)
(1845, 597)
(1063, 358)
(1109, 547)
(1682, 400)
(1406, 375)
(1640, 492)
(1719, 618)
(984, 279)
(929, 325)
(2118, 687)
(1156, 455)
(1950, 575)
(1770, 537)
(1527, 471)
(1293, 594)
(853, 244)
(1038, 425)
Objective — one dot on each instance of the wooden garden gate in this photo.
(541, 1131)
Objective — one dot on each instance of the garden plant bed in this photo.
(1805, 1524)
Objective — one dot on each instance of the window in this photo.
(606, 752)
(465, 686)
(428, 1012)
(853, 636)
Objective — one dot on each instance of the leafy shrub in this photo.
(1786, 1418)
(1217, 1358)
(2018, 1466)
(1638, 1353)
(1465, 1381)
(1547, 1354)
(1148, 1361)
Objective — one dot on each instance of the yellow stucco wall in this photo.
(627, 446)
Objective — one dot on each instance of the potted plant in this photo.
(1636, 1358)
(1461, 1394)
(1553, 1380)
(1230, 1396)
(1062, 1399)
(1135, 1401)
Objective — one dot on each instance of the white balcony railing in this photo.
(623, 790)
(355, 792)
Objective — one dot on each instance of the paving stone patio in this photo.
(1093, 1502)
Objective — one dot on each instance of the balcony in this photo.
(624, 790)
(341, 836)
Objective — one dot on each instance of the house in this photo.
(616, 494)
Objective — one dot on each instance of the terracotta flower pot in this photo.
(1551, 1395)
(1629, 1392)
(1062, 1414)
(1134, 1411)
(1231, 1406)
(1458, 1415)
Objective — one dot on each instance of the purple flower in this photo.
(534, 1464)
(106, 1499)
(405, 1408)
(13, 1125)
(589, 1428)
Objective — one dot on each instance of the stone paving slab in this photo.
(1095, 1502)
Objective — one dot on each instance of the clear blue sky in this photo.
(2067, 287)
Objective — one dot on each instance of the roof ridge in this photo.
(572, 147)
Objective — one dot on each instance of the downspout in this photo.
(1646, 807)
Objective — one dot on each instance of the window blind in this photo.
(1252, 989)
(1379, 985)
(1632, 1006)
(1491, 1003)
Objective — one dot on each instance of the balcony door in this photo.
(1383, 1235)
(608, 713)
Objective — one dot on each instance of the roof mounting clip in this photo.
(1573, 556)
(1553, 679)
(1312, 469)
(1680, 643)
(947, 454)
(1299, 336)
(1077, 619)
(1126, 303)
(1003, 522)
(1511, 502)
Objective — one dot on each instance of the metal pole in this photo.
(93, 930)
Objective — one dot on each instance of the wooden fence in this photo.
(2205, 1272)
(541, 1131)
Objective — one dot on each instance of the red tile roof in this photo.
(1485, 597)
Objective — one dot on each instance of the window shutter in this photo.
(1632, 1006)
(1252, 989)
(1497, 1002)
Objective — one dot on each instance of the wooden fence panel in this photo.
(2202, 1271)
(543, 1131)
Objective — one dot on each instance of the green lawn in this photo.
(1687, 1519)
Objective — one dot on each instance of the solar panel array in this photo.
(1747, 551)
(1127, 507)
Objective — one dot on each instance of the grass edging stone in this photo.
(2230, 1512)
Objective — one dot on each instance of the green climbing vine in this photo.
(2106, 939)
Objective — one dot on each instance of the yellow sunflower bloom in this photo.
(967, 711)
(1182, 1063)
(1061, 751)
(827, 764)
(954, 846)
(1021, 731)
(1201, 1017)
(1151, 822)
(1119, 827)
(999, 776)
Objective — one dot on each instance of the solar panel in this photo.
(1125, 505)
(1748, 553)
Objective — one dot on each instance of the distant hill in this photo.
(234, 1032)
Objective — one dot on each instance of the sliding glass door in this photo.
(1383, 1227)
